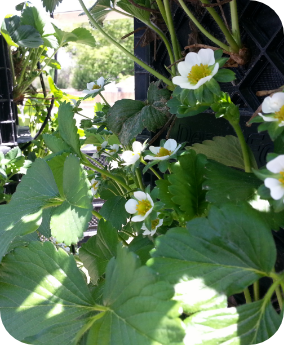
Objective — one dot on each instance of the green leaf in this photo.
(173, 104)
(226, 252)
(22, 35)
(23, 241)
(114, 211)
(225, 150)
(54, 143)
(100, 10)
(31, 16)
(251, 323)
(164, 195)
(54, 64)
(225, 75)
(56, 164)
(225, 184)
(44, 228)
(40, 288)
(67, 127)
(96, 253)
(70, 220)
(138, 13)
(84, 36)
(127, 118)
(213, 86)
(185, 111)
(141, 246)
(50, 5)
(64, 37)
(138, 304)
(23, 214)
(186, 184)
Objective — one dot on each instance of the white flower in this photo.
(95, 87)
(130, 157)
(196, 69)
(155, 224)
(276, 185)
(274, 105)
(163, 153)
(113, 149)
(141, 206)
(95, 185)
(95, 155)
(113, 165)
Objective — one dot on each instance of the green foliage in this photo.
(225, 184)
(101, 9)
(106, 60)
(226, 252)
(127, 118)
(50, 5)
(139, 13)
(96, 253)
(226, 150)
(42, 290)
(114, 211)
(127, 313)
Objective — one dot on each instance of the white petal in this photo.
(147, 213)
(206, 56)
(268, 118)
(150, 158)
(278, 98)
(179, 80)
(176, 149)
(140, 195)
(183, 69)
(170, 144)
(273, 104)
(137, 146)
(150, 199)
(155, 149)
(90, 85)
(192, 59)
(130, 206)
(202, 81)
(215, 69)
(163, 158)
(276, 188)
(146, 232)
(138, 218)
(101, 81)
(276, 165)
(143, 227)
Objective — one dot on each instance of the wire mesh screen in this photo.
(8, 136)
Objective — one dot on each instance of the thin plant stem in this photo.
(244, 146)
(234, 46)
(279, 297)
(96, 214)
(24, 68)
(139, 178)
(123, 13)
(125, 51)
(152, 169)
(106, 102)
(121, 190)
(172, 30)
(235, 22)
(105, 172)
(247, 295)
(166, 42)
(256, 290)
(162, 11)
(99, 164)
(12, 65)
(201, 28)
(84, 116)
(123, 240)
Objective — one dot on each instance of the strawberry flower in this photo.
(141, 206)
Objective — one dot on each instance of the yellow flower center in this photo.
(94, 185)
(143, 207)
(198, 72)
(154, 223)
(96, 87)
(282, 178)
(163, 152)
(280, 114)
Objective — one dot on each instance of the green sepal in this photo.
(163, 165)
(198, 93)
(213, 86)
(225, 75)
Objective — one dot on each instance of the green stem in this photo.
(96, 214)
(244, 146)
(162, 11)
(235, 22)
(106, 102)
(123, 240)
(256, 290)
(139, 178)
(279, 297)
(201, 28)
(152, 169)
(247, 295)
(104, 172)
(125, 51)
(12, 65)
(84, 116)
(24, 68)
(234, 46)
(123, 13)
(128, 233)
(121, 190)
(171, 28)
(86, 156)
(166, 42)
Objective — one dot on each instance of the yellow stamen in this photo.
(143, 207)
(154, 223)
(198, 72)
(163, 152)
(282, 178)
(96, 87)
(280, 114)
(94, 185)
